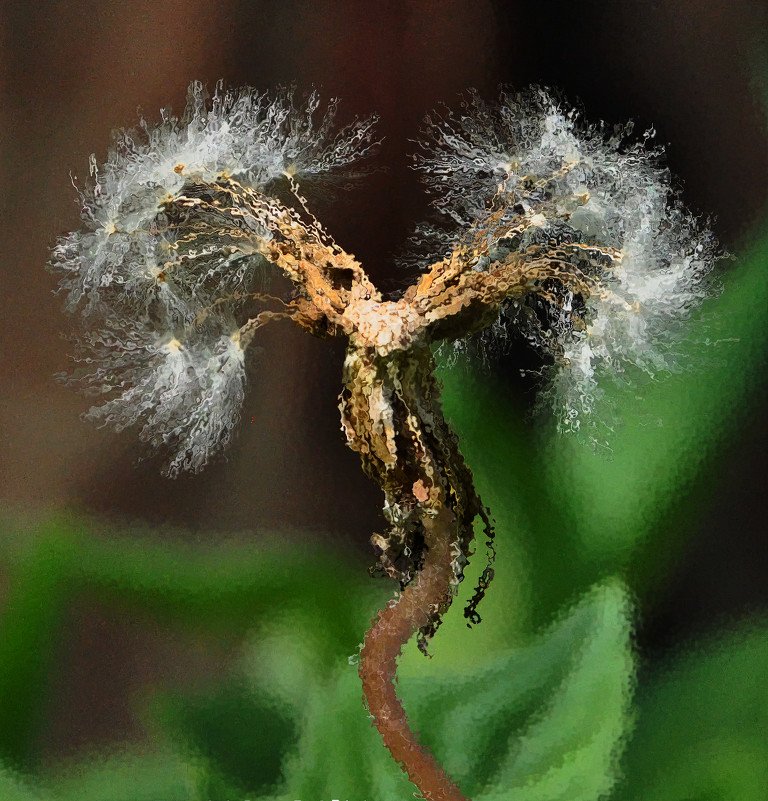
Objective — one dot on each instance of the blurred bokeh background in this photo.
(145, 616)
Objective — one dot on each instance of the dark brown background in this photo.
(74, 70)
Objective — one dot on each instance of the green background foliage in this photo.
(548, 699)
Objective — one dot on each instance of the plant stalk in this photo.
(391, 629)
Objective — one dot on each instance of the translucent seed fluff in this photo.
(484, 156)
(160, 293)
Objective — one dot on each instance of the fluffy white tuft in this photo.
(185, 393)
(158, 288)
(241, 134)
(484, 156)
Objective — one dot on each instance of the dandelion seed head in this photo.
(252, 137)
(579, 183)
(157, 286)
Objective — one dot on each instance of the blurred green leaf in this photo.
(131, 776)
(33, 608)
(544, 721)
(674, 428)
(702, 730)
(337, 753)
(14, 788)
(228, 584)
(244, 736)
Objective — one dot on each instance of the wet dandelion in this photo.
(573, 237)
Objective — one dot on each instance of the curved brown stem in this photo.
(391, 629)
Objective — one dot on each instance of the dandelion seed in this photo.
(145, 269)
(574, 238)
(585, 188)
